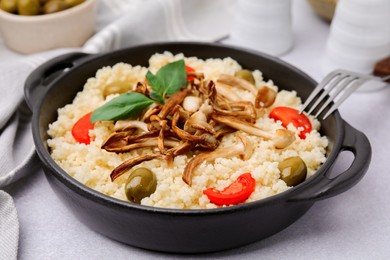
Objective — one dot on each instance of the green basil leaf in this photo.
(168, 79)
(172, 77)
(122, 107)
(154, 82)
(155, 96)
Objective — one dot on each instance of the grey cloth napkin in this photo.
(120, 23)
(9, 227)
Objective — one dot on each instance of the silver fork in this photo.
(336, 86)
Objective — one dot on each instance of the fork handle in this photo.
(322, 187)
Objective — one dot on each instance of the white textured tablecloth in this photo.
(353, 225)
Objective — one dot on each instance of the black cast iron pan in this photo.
(55, 84)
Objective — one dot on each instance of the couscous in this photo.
(220, 136)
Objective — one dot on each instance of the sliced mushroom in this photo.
(199, 137)
(265, 97)
(121, 139)
(206, 139)
(128, 164)
(222, 130)
(142, 88)
(198, 121)
(161, 137)
(243, 148)
(282, 138)
(117, 139)
(153, 110)
(237, 82)
(227, 92)
(241, 109)
(174, 100)
(152, 142)
(124, 125)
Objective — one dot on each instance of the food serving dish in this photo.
(65, 29)
(56, 83)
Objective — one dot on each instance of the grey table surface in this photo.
(352, 225)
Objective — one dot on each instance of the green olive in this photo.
(54, 6)
(29, 7)
(10, 6)
(293, 170)
(116, 88)
(72, 3)
(140, 184)
(246, 75)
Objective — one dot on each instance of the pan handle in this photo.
(323, 187)
(37, 82)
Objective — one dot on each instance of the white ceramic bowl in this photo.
(30, 34)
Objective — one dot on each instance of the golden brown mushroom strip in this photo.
(237, 82)
(142, 88)
(174, 100)
(128, 164)
(121, 139)
(282, 138)
(117, 139)
(241, 109)
(203, 138)
(183, 147)
(152, 111)
(227, 92)
(151, 142)
(224, 130)
(161, 137)
(198, 121)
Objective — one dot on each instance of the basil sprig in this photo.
(168, 80)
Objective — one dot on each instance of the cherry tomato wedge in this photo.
(189, 69)
(80, 129)
(289, 115)
(235, 193)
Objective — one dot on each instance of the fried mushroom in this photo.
(243, 148)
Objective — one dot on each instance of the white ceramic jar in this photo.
(263, 25)
(359, 36)
(30, 34)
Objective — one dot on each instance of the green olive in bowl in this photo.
(37, 7)
(54, 6)
(141, 183)
(72, 3)
(10, 6)
(29, 7)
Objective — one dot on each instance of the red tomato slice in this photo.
(235, 193)
(189, 69)
(80, 130)
(289, 115)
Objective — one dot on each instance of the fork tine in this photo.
(320, 86)
(348, 80)
(357, 83)
(334, 83)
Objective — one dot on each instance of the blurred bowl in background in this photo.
(65, 29)
(324, 8)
